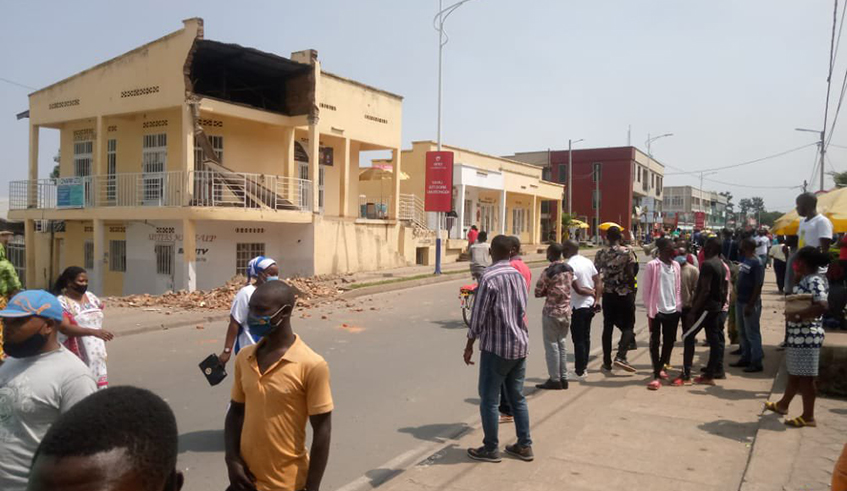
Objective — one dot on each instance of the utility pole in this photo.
(597, 203)
(570, 177)
(823, 154)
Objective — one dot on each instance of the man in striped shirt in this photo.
(498, 321)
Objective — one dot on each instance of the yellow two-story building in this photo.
(186, 157)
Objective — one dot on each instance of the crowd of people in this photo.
(60, 424)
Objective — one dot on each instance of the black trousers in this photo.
(713, 325)
(662, 331)
(618, 311)
(581, 332)
(779, 271)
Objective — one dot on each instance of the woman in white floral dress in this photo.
(805, 337)
(82, 331)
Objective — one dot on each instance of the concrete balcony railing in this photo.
(164, 189)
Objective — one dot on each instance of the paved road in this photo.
(397, 375)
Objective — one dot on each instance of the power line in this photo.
(828, 88)
(838, 108)
(840, 28)
(749, 162)
(837, 146)
(12, 82)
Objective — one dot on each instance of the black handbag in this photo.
(213, 369)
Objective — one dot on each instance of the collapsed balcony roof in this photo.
(251, 77)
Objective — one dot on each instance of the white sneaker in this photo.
(581, 378)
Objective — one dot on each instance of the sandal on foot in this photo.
(799, 422)
(772, 406)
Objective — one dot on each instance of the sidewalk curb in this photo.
(401, 464)
(404, 284)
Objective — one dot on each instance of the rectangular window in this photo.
(598, 167)
(545, 207)
(164, 259)
(563, 173)
(595, 199)
(88, 255)
(638, 173)
(547, 174)
(518, 221)
(244, 252)
(111, 169)
(117, 255)
(467, 220)
(82, 165)
(154, 156)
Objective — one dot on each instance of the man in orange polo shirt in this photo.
(279, 383)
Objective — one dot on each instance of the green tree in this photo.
(745, 205)
(55, 173)
(757, 205)
(769, 217)
(840, 179)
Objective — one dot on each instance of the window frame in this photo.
(117, 256)
(244, 252)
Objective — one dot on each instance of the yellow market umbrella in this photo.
(578, 224)
(833, 205)
(377, 174)
(607, 225)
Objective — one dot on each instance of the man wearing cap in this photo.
(9, 281)
(39, 381)
(238, 335)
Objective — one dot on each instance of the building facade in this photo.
(498, 195)
(185, 157)
(609, 182)
(681, 204)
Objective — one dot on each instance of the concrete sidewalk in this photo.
(612, 433)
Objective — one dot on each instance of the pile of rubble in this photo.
(310, 292)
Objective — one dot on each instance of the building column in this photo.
(30, 253)
(32, 189)
(98, 166)
(460, 208)
(344, 185)
(96, 276)
(503, 212)
(394, 212)
(187, 137)
(557, 226)
(314, 162)
(536, 222)
(189, 254)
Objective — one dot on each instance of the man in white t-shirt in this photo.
(816, 229)
(238, 333)
(584, 307)
(762, 243)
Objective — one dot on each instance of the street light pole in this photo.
(649, 153)
(570, 174)
(438, 21)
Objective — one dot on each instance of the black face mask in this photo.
(29, 347)
(81, 289)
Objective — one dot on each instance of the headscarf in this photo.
(257, 265)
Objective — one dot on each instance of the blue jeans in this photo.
(495, 371)
(750, 333)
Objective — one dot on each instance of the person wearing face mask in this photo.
(39, 381)
(260, 269)
(82, 330)
(279, 383)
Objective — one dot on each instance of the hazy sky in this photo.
(730, 78)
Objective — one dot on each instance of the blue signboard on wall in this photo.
(70, 193)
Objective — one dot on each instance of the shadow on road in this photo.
(202, 441)
(379, 477)
(731, 394)
(436, 432)
(447, 456)
(733, 430)
(473, 401)
(450, 324)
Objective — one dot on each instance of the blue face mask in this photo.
(263, 325)
(272, 278)
(681, 260)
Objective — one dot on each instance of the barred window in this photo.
(117, 255)
(165, 259)
(88, 255)
(244, 252)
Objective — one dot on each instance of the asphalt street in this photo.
(398, 379)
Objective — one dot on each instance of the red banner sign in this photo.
(699, 220)
(439, 181)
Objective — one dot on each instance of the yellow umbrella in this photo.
(607, 225)
(377, 174)
(578, 224)
(833, 205)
